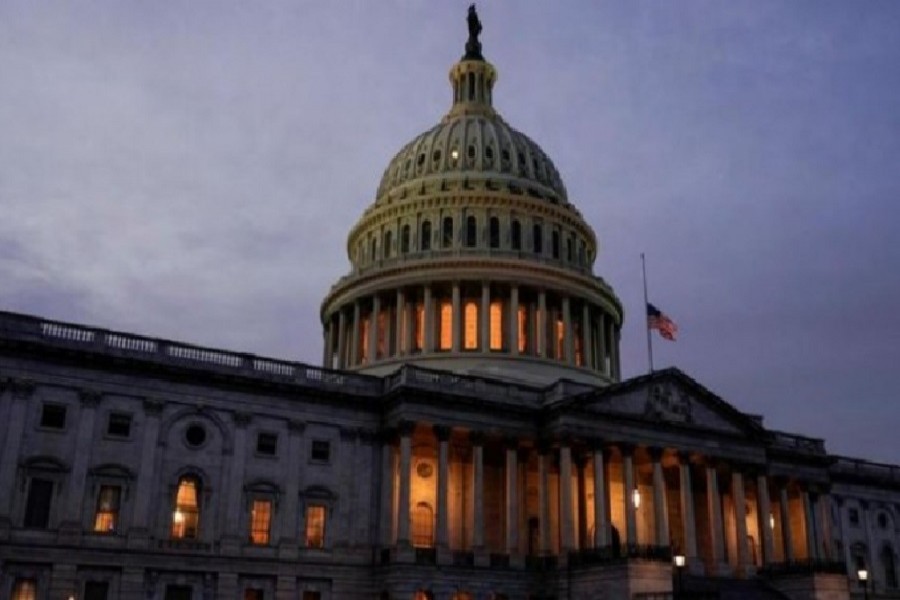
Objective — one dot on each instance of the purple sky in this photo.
(190, 170)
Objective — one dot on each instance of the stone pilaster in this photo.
(628, 495)
(403, 511)
(765, 518)
(289, 505)
(601, 499)
(566, 525)
(145, 491)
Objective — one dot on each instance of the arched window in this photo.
(522, 324)
(425, 236)
(537, 237)
(373, 246)
(495, 232)
(471, 231)
(447, 232)
(24, 589)
(404, 239)
(496, 315)
(446, 326)
(516, 235)
(554, 244)
(890, 568)
(423, 526)
(186, 516)
(470, 326)
(388, 238)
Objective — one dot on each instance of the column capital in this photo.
(626, 448)
(477, 438)
(656, 452)
(442, 432)
(406, 428)
(511, 442)
(348, 433)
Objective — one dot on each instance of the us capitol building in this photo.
(468, 437)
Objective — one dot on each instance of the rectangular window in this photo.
(53, 416)
(315, 526)
(446, 326)
(471, 326)
(119, 425)
(24, 589)
(96, 590)
(496, 325)
(260, 519)
(321, 450)
(37, 505)
(179, 592)
(106, 519)
(267, 443)
(523, 328)
(560, 340)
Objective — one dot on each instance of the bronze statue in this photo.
(473, 46)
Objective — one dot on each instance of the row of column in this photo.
(814, 511)
(373, 329)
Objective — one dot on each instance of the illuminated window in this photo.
(522, 320)
(462, 596)
(419, 337)
(260, 519)
(446, 326)
(381, 350)
(470, 326)
(106, 518)
(315, 526)
(447, 232)
(496, 325)
(423, 595)
(516, 235)
(24, 589)
(495, 232)
(425, 236)
(560, 339)
(423, 526)
(186, 518)
(364, 340)
(471, 231)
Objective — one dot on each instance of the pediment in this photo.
(672, 397)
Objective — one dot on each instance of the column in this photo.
(342, 340)
(402, 324)
(428, 309)
(514, 320)
(617, 368)
(660, 510)
(327, 351)
(485, 317)
(568, 337)
(144, 492)
(628, 499)
(457, 317)
(687, 507)
(18, 391)
(354, 337)
(512, 497)
(601, 343)
(765, 519)
(601, 500)
(822, 511)
(372, 350)
(714, 509)
(443, 521)
(295, 470)
(809, 519)
(540, 336)
(387, 489)
(587, 352)
(477, 439)
(566, 533)
(405, 430)
(581, 539)
(740, 519)
(786, 535)
(544, 498)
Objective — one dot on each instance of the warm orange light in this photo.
(471, 326)
(260, 519)
(446, 341)
(420, 327)
(560, 339)
(496, 325)
(315, 526)
(523, 328)
(364, 341)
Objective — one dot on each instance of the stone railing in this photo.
(797, 443)
(611, 554)
(859, 469)
(25, 328)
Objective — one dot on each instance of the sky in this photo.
(190, 170)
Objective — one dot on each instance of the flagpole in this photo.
(646, 322)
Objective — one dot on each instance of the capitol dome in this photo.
(471, 258)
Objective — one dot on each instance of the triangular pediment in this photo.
(672, 397)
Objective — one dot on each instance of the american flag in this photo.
(656, 319)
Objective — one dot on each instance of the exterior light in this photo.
(454, 154)
(863, 575)
(178, 517)
(636, 498)
(771, 521)
(679, 560)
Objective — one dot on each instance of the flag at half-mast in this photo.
(656, 319)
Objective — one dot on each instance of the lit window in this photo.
(107, 517)
(315, 526)
(423, 526)
(260, 519)
(420, 327)
(446, 326)
(186, 518)
(381, 342)
(37, 505)
(579, 355)
(24, 589)
(523, 328)
(471, 326)
(560, 339)
(496, 325)
(363, 340)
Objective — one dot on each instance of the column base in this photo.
(404, 553)
(721, 569)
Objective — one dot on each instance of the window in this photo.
(447, 232)
(445, 324)
(118, 425)
(315, 526)
(425, 237)
(53, 416)
(419, 324)
(186, 517)
(570, 249)
(423, 526)
(890, 569)
(471, 231)
(853, 517)
(537, 237)
(37, 505)
(179, 592)
(24, 589)
(195, 435)
(267, 443)
(96, 590)
(260, 520)
(106, 519)
(495, 232)
(321, 450)
(882, 521)
(470, 317)
(363, 357)
(516, 235)
(522, 322)
(388, 240)
(404, 239)
(560, 340)
(373, 245)
(554, 244)
(496, 325)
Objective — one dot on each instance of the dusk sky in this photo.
(190, 170)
